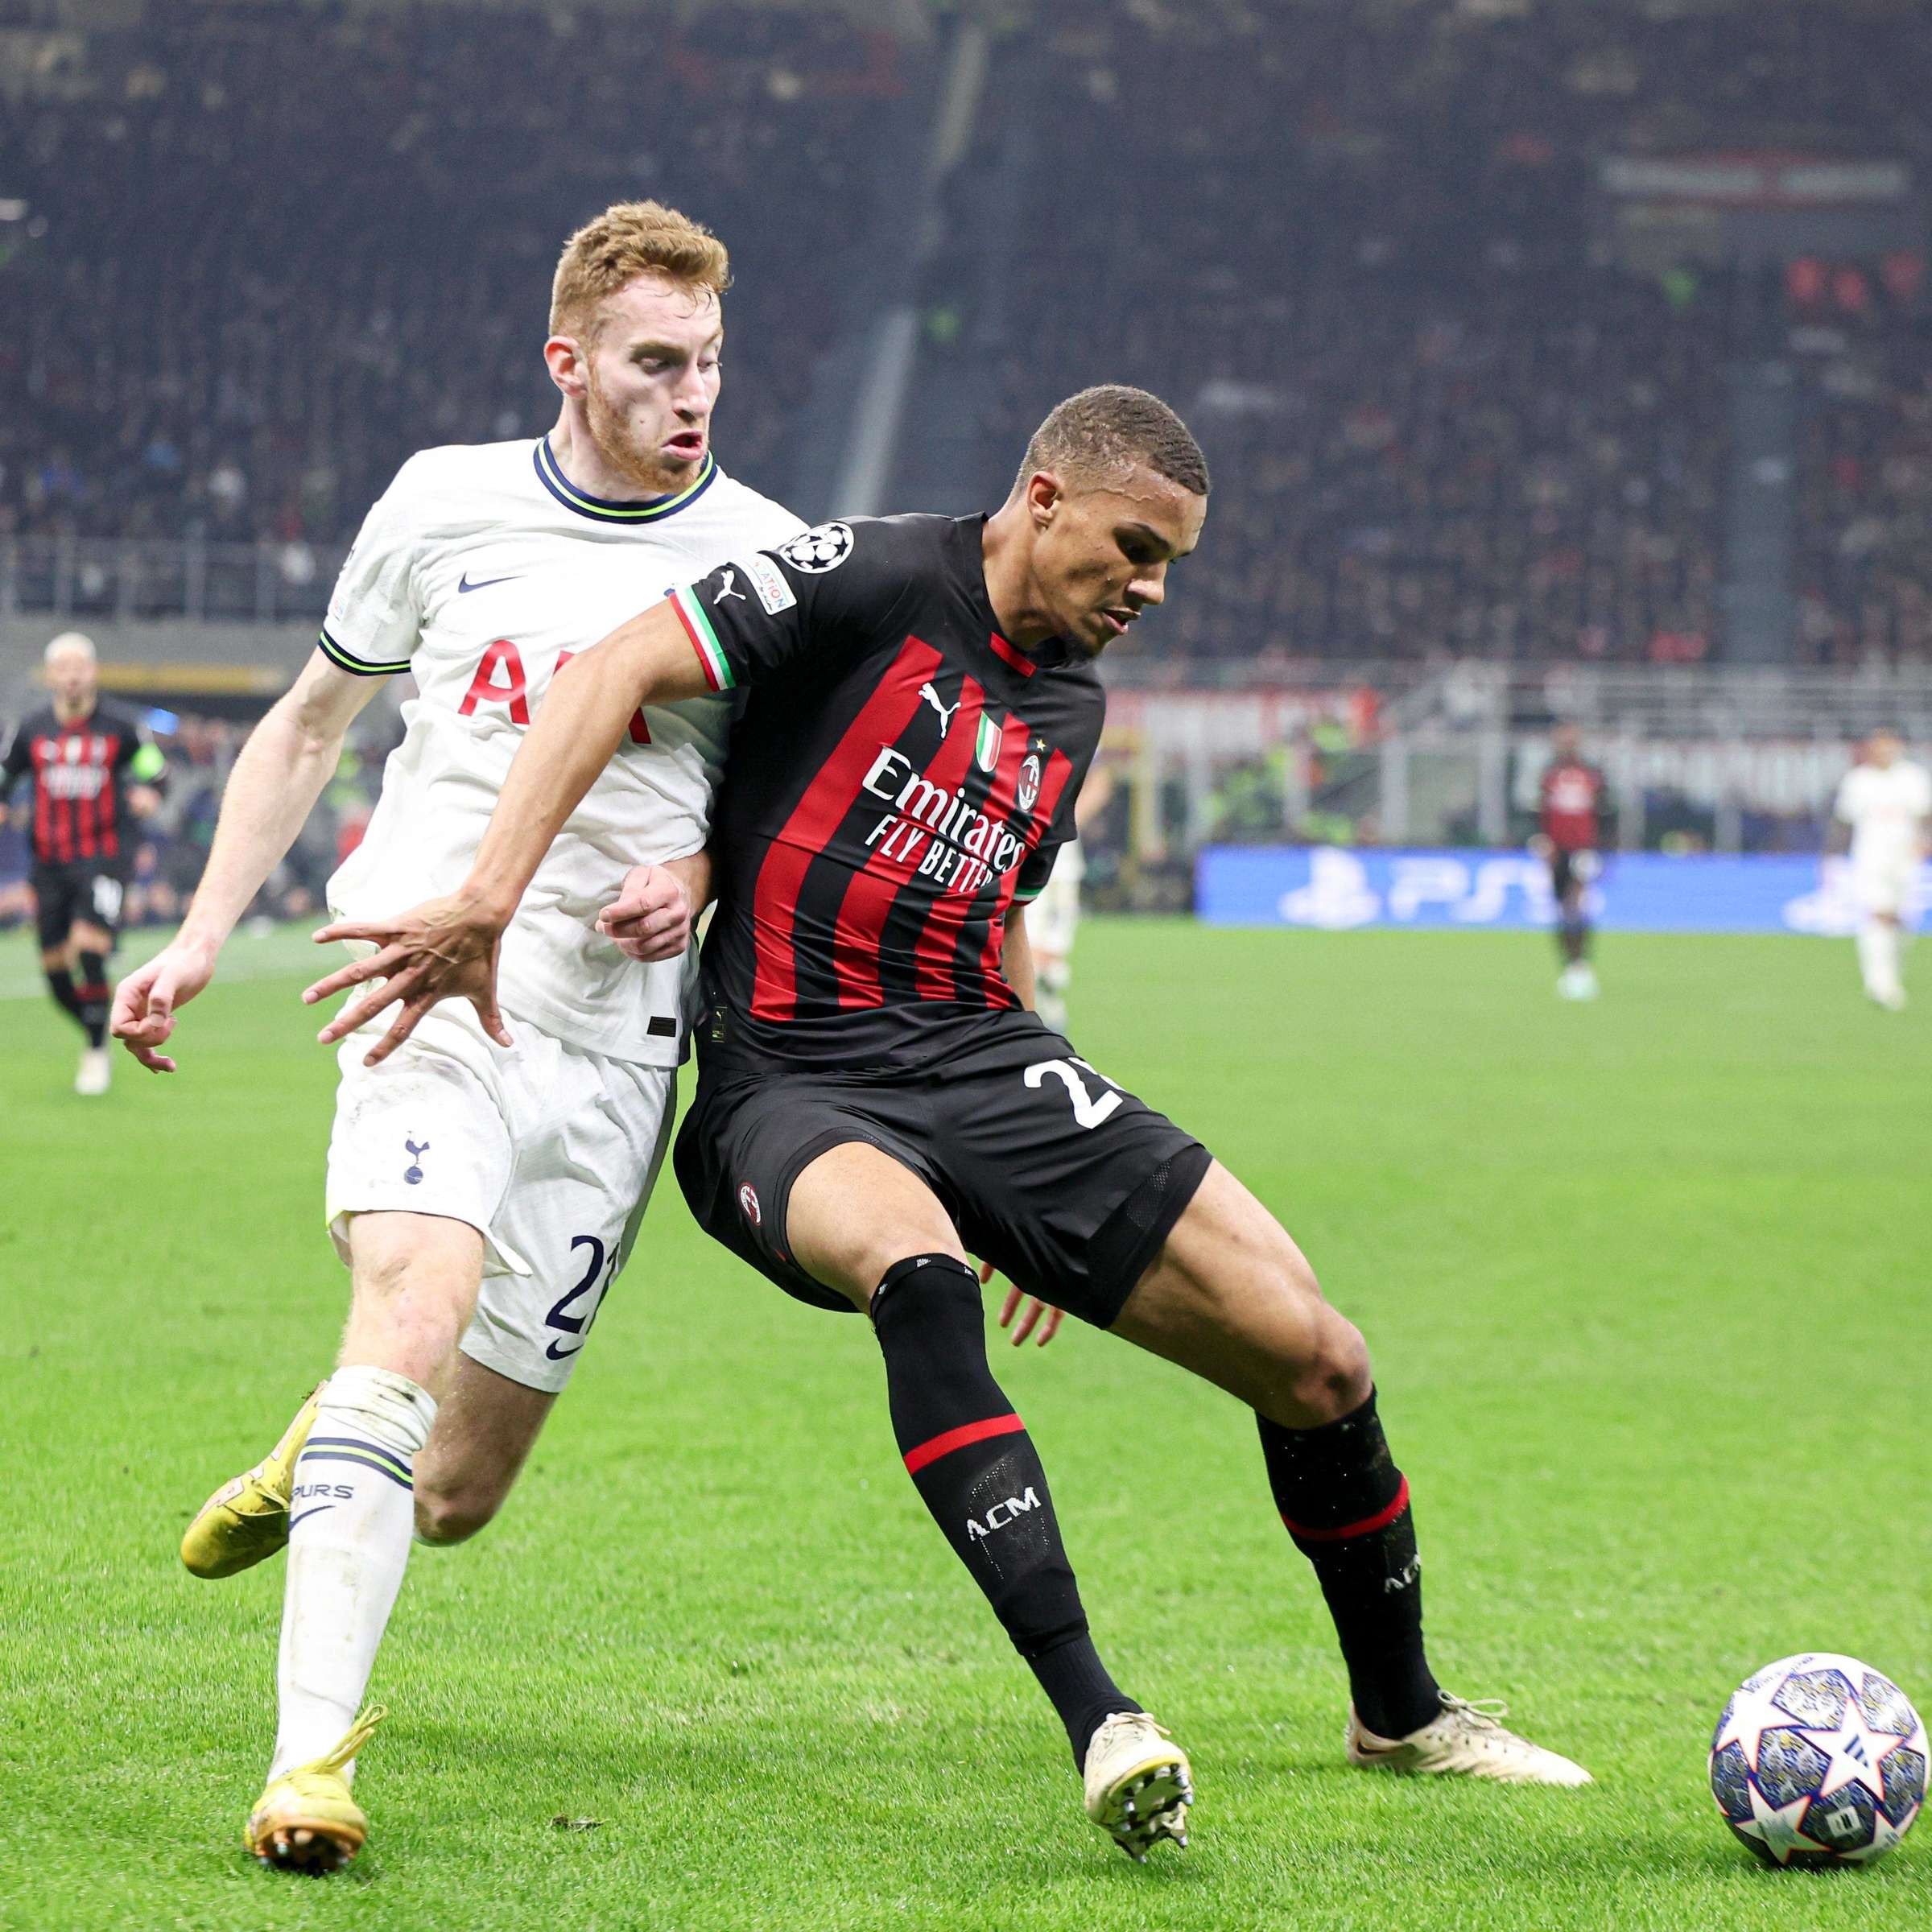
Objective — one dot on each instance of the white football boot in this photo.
(95, 1074)
(1139, 1784)
(1467, 1741)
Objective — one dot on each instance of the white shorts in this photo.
(549, 1151)
(1886, 884)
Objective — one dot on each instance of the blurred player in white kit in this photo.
(1887, 803)
(1053, 920)
(486, 1183)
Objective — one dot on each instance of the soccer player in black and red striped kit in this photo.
(1570, 837)
(876, 1100)
(94, 769)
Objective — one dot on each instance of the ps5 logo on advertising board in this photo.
(1469, 889)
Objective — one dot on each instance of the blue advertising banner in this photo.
(1336, 889)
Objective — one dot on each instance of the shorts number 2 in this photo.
(1088, 1112)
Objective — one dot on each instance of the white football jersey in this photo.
(1886, 809)
(480, 570)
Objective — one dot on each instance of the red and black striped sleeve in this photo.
(828, 594)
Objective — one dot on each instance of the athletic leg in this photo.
(351, 1515)
(591, 1136)
(92, 944)
(1231, 1297)
(1878, 958)
(864, 1224)
(485, 1427)
(57, 966)
(1572, 932)
(54, 920)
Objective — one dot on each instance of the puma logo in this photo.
(945, 710)
(728, 588)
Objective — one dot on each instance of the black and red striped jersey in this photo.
(79, 770)
(1571, 800)
(899, 775)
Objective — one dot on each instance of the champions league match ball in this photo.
(1817, 1759)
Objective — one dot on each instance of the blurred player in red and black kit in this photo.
(1571, 840)
(93, 765)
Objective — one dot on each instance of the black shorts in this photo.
(82, 889)
(1066, 1183)
(1571, 871)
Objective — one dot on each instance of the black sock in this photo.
(976, 1470)
(1346, 1506)
(94, 996)
(1575, 939)
(60, 984)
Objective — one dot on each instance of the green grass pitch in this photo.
(1646, 1283)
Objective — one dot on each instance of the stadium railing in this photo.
(131, 579)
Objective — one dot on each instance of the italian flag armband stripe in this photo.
(360, 667)
(703, 639)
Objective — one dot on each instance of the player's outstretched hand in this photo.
(145, 1002)
(443, 949)
(1033, 1308)
(651, 917)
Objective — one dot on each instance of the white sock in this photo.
(1878, 958)
(351, 1516)
(1888, 953)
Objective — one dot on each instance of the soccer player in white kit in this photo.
(485, 1183)
(1053, 920)
(1887, 801)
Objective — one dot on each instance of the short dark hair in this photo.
(1107, 429)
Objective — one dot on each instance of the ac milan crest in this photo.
(1029, 782)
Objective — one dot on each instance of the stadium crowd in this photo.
(1864, 340)
(242, 280)
(1444, 423)
(1358, 243)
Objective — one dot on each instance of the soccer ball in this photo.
(1818, 1761)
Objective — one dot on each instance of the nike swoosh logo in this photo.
(306, 1514)
(463, 586)
(557, 1354)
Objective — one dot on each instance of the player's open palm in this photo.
(146, 1001)
(651, 917)
(443, 949)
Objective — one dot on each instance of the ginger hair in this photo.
(630, 239)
